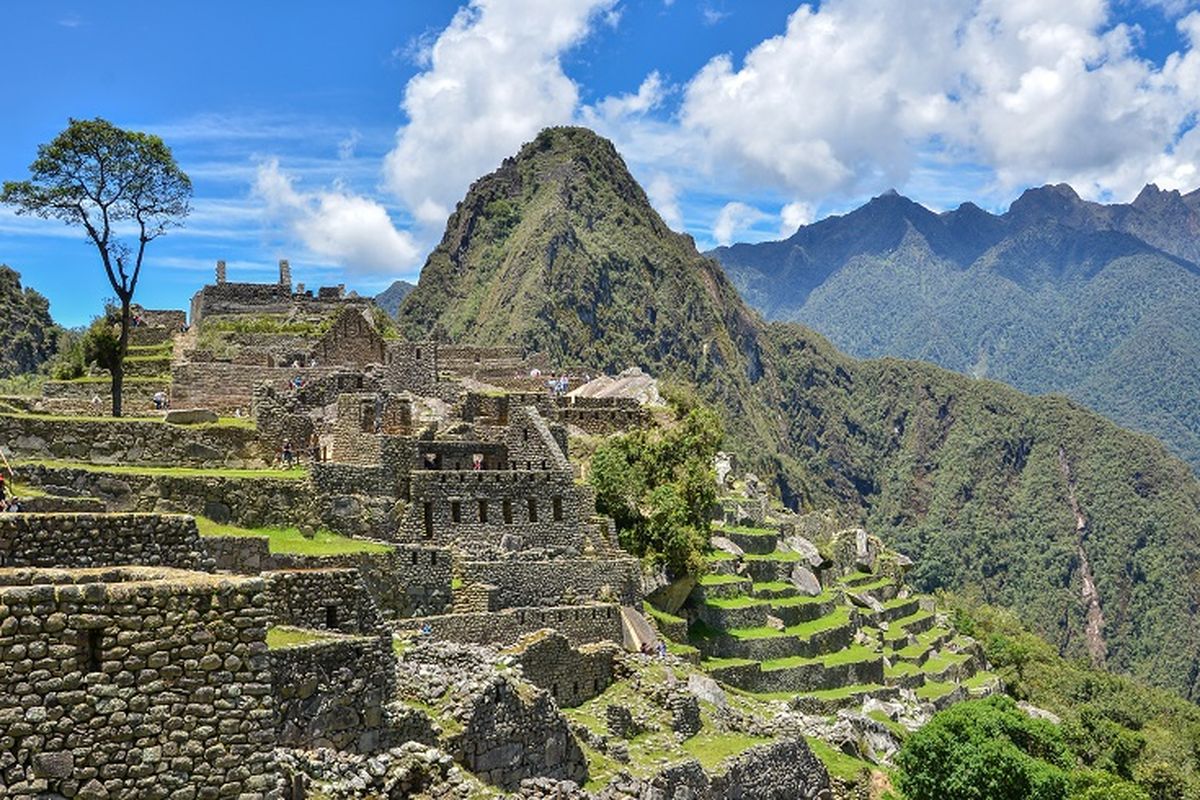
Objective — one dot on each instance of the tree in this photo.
(106, 180)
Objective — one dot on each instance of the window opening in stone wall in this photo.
(428, 520)
(89, 650)
(575, 689)
(331, 617)
(525, 434)
(414, 556)
(556, 505)
(507, 507)
(483, 510)
(368, 417)
(533, 509)
(455, 511)
(433, 559)
(418, 354)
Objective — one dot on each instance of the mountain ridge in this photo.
(1049, 296)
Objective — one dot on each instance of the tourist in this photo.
(314, 447)
(3, 489)
(426, 629)
(96, 402)
(298, 383)
(289, 456)
(477, 462)
(160, 400)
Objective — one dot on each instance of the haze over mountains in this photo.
(1017, 497)
(1100, 302)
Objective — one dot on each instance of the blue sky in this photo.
(339, 139)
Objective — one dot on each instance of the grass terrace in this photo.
(297, 473)
(280, 637)
(290, 541)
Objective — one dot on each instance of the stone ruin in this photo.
(483, 595)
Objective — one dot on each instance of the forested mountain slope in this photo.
(28, 336)
(1028, 498)
(1099, 302)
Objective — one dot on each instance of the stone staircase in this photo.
(856, 633)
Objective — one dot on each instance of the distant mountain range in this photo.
(1058, 294)
(391, 298)
(1021, 499)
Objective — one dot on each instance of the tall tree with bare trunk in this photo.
(123, 188)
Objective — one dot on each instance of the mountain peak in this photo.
(1152, 197)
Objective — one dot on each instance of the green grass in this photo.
(745, 530)
(283, 636)
(723, 663)
(762, 632)
(834, 619)
(898, 629)
(932, 690)
(719, 555)
(299, 473)
(850, 655)
(105, 379)
(710, 748)
(717, 579)
(840, 765)
(741, 601)
(290, 541)
(661, 615)
(803, 600)
(773, 586)
(843, 692)
(783, 556)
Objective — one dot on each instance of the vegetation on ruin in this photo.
(659, 487)
(290, 541)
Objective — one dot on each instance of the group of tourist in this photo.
(289, 458)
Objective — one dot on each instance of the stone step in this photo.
(751, 541)
(798, 610)
(712, 587)
(739, 612)
(831, 701)
(775, 590)
(818, 675)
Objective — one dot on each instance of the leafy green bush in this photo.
(985, 750)
(659, 487)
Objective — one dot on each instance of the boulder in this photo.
(798, 544)
(864, 600)
(726, 546)
(805, 581)
(190, 416)
(706, 689)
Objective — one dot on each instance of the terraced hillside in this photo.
(826, 626)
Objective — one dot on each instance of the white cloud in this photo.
(664, 196)
(732, 219)
(852, 95)
(494, 80)
(615, 108)
(792, 216)
(353, 231)
(347, 145)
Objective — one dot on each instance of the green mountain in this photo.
(1029, 500)
(391, 298)
(1098, 302)
(28, 336)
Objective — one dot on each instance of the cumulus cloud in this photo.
(792, 216)
(494, 80)
(664, 196)
(349, 229)
(852, 94)
(734, 218)
(616, 108)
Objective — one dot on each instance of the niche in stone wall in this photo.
(89, 655)
(556, 507)
(428, 520)
(331, 617)
(483, 510)
(533, 514)
(506, 506)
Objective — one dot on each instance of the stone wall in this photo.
(249, 502)
(172, 319)
(75, 397)
(571, 675)
(487, 512)
(95, 540)
(322, 599)
(522, 583)
(332, 693)
(408, 581)
(226, 387)
(412, 367)
(130, 441)
(596, 622)
(352, 341)
(134, 682)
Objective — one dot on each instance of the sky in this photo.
(340, 136)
